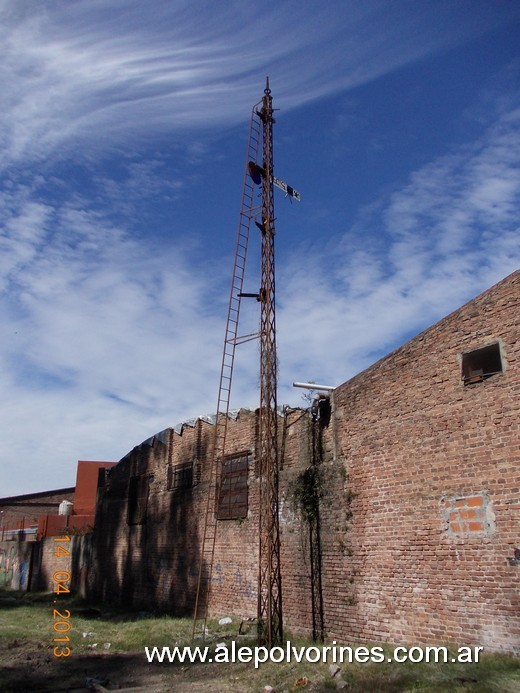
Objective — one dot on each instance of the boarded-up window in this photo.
(232, 492)
(180, 476)
(137, 500)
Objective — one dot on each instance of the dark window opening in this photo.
(180, 476)
(232, 499)
(137, 500)
(481, 363)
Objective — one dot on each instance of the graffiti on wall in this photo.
(14, 567)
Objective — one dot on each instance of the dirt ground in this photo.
(24, 668)
(28, 665)
(27, 668)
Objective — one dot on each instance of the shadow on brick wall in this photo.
(152, 563)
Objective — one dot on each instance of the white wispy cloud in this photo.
(112, 333)
(110, 337)
(451, 232)
(85, 74)
(105, 340)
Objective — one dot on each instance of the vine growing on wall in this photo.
(307, 490)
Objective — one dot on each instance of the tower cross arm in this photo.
(288, 189)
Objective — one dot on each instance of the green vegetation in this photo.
(96, 632)
(306, 491)
(31, 619)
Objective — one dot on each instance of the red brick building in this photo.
(28, 523)
(19, 515)
(413, 486)
(79, 516)
(45, 513)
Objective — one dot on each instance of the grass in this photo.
(30, 621)
(33, 616)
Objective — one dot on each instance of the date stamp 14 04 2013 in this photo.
(61, 617)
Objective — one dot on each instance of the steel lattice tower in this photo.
(270, 628)
(257, 173)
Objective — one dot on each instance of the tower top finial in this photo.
(267, 90)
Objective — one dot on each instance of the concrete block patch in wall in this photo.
(465, 516)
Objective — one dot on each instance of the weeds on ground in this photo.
(28, 618)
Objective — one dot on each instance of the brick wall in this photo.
(435, 468)
(33, 565)
(418, 480)
(157, 562)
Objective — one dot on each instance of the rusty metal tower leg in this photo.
(318, 627)
(270, 628)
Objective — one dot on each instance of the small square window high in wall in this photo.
(232, 500)
(481, 363)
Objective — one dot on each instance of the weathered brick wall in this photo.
(419, 513)
(156, 563)
(435, 468)
(47, 563)
(34, 565)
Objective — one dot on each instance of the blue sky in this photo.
(122, 152)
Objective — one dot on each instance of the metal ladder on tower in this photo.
(248, 211)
